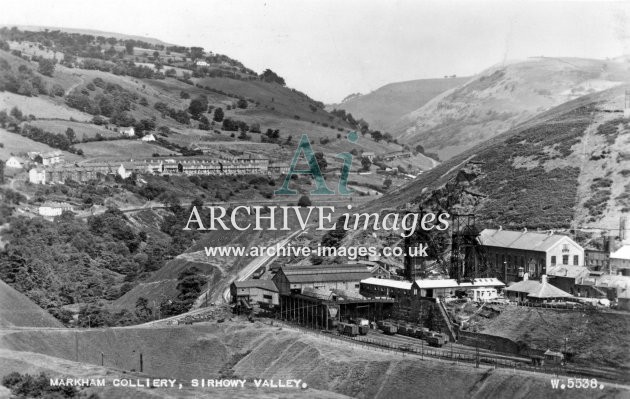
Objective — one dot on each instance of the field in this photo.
(122, 149)
(82, 130)
(16, 144)
(41, 107)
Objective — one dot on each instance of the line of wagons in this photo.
(362, 326)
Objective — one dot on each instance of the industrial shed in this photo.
(535, 291)
(293, 279)
(255, 292)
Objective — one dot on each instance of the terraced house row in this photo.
(185, 165)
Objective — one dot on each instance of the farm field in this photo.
(16, 144)
(122, 149)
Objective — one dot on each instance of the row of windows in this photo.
(565, 260)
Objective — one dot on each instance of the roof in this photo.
(262, 284)
(327, 269)
(386, 282)
(536, 289)
(452, 283)
(621, 253)
(568, 271)
(326, 277)
(532, 241)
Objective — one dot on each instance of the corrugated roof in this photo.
(452, 283)
(263, 284)
(326, 269)
(385, 282)
(622, 253)
(326, 277)
(536, 289)
(532, 241)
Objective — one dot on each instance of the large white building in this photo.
(620, 260)
(514, 253)
(14, 162)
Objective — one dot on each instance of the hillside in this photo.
(566, 167)
(16, 310)
(254, 350)
(502, 97)
(383, 107)
(191, 99)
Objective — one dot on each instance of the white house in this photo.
(51, 158)
(148, 137)
(14, 162)
(54, 208)
(129, 132)
(201, 63)
(517, 252)
(37, 176)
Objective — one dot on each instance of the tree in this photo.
(70, 134)
(270, 76)
(304, 201)
(218, 115)
(242, 103)
(387, 184)
(189, 284)
(197, 107)
(420, 149)
(46, 67)
(321, 161)
(129, 45)
(366, 164)
(377, 136)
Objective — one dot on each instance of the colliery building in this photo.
(251, 292)
(293, 279)
(480, 289)
(514, 253)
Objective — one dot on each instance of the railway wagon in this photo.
(388, 328)
(333, 324)
(421, 333)
(363, 330)
(436, 339)
(351, 330)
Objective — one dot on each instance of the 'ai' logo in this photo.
(304, 146)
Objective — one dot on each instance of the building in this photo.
(255, 292)
(148, 137)
(576, 280)
(374, 287)
(480, 289)
(535, 291)
(369, 155)
(129, 132)
(293, 279)
(51, 158)
(14, 163)
(514, 253)
(37, 176)
(201, 63)
(620, 260)
(597, 260)
(51, 209)
(278, 168)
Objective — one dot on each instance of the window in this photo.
(565, 259)
(565, 247)
(553, 261)
(268, 297)
(575, 259)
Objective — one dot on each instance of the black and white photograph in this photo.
(315, 199)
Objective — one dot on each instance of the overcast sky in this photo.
(331, 48)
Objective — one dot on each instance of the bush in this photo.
(304, 201)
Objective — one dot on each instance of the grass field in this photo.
(122, 149)
(16, 144)
(81, 130)
(41, 107)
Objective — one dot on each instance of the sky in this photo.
(332, 48)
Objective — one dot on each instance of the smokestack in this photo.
(543, 279)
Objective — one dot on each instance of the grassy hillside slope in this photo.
(257, 351)
(383, 107)
(501, 98)
(16, 310)
(566, 167)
